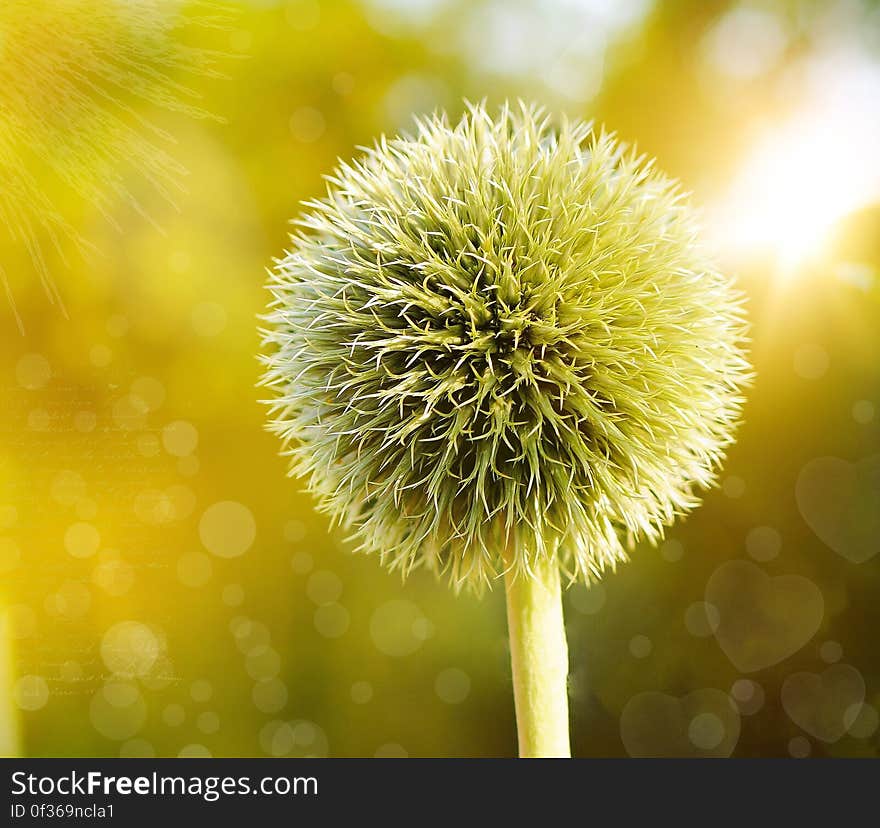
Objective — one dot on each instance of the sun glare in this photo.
(800, 181)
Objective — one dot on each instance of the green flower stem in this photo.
(539, 657)
(10, 737)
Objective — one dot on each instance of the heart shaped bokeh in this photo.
(824, 704)
(703, 724)
(840, 501)
(762, 620)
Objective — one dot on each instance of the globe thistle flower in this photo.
(501, 334)
(497, 347)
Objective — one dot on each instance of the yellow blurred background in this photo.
(166, 590)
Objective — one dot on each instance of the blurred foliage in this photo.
(106, 513)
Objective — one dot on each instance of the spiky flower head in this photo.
(498, 341)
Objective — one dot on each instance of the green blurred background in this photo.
(166, 590)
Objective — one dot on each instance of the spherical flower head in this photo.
(498, 341)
